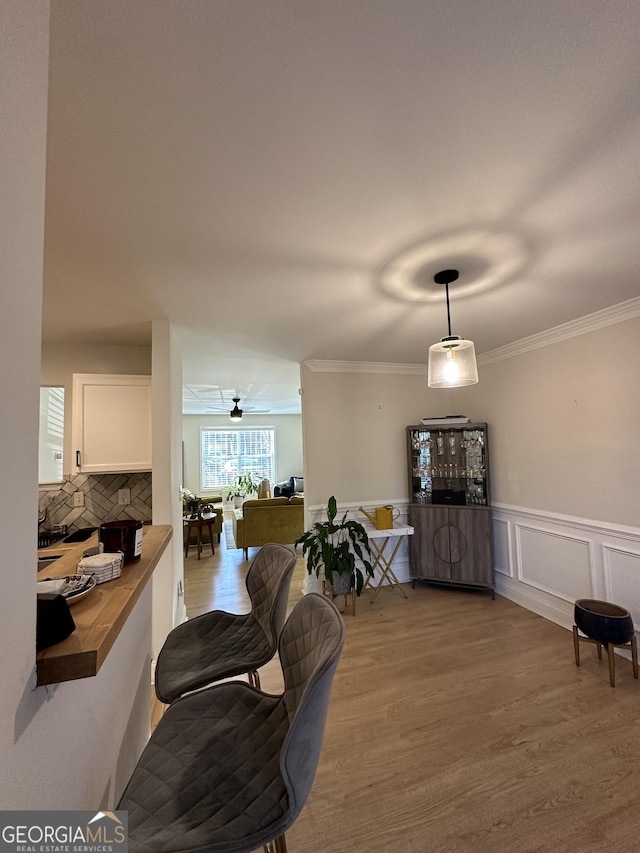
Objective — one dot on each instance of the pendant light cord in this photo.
(448, 312)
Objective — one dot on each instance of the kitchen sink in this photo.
(80, 535)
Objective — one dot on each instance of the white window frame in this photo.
(224, 429)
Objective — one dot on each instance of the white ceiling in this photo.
(281, 178)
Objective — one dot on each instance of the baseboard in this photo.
(554, 610)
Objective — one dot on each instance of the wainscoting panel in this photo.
(554, 563)
(622, 579)
(545, 562)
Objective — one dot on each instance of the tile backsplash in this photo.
(100, 500)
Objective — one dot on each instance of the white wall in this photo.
(166, 386)
(565, 463)
(288, 429)
(60, 361)
(354, 426)
(354, 432)
(24, 46)
(564, 425)
(74, 745)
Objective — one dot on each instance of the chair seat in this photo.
(207, 648)
(229, 768)
(209, 778)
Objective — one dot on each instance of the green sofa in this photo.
(258, 522)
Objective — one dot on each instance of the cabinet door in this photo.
(111, 423)
(470, 545)
(429, 548)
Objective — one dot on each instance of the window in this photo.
(228, 453)
(51, 435)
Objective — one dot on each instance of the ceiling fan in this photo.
(235, 412)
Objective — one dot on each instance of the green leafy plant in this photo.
(335, 545)
(248, 484)
(243, 485)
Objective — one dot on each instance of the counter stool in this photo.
(197, 524)
(220, 644)
(229, 768)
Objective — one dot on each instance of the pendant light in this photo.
(236, 414)
(452, 362)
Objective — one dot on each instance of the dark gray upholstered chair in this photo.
(229, 768)
(220, 645)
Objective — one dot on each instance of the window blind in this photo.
(229, 453)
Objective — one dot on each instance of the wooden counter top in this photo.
(100, 615)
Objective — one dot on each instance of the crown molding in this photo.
(619, 313)
(628, 310)
(322, 366)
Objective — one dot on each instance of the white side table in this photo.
(378, 540)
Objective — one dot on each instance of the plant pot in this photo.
(341, 584)
(603, 622)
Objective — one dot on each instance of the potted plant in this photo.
(334, 546)
(242, 486)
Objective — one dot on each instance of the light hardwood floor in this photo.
(458, 723)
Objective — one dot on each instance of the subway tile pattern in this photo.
(100, 500)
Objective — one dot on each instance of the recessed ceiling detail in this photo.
(486, 258)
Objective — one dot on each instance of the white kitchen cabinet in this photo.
(111, 423)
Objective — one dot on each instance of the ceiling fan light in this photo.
(236, 414)
(452, 363)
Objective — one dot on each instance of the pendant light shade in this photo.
(236, 414)
(452, 361)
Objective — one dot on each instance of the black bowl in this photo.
(604, 622)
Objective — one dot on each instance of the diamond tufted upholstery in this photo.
(220, 645)
(228, 769)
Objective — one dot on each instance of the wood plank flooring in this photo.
(458, 723)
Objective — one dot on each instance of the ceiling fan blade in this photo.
(247, 411)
